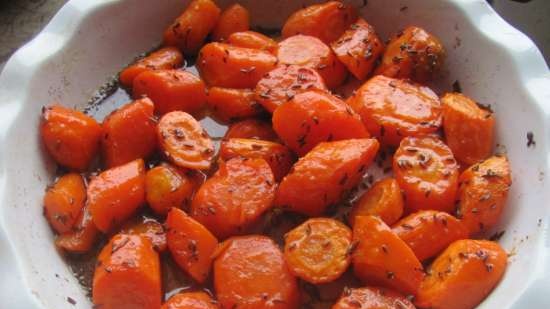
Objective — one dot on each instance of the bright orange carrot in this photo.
(64, 202)
(254, 40)
(164, 58)
(251, 128)
(82, 237)
(167, 186)
(233, 19)
(191, 300)
(148, 228)
(383, 199)
(229, 104)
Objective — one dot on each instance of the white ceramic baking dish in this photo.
(88, 41)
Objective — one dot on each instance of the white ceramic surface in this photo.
(88, 41)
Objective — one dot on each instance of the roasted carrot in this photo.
(383, 199)
(129, 133)
(164, 58)
(235, 197)
(71, 137)
(229, 104)
(359, 48)
(189, 31)
(115, 194)
(326, 21)
(184, 142)
(254, 40)
(167, 186)
(251, 128)
(468, 128)
(190, 244)
(348, 88)
(171, 90)
(278, 156)
(317, 250)
(316, 116)
(412, 53)
(284, 82)
(380, 257)
(463, 275)
(372, 298)
(82, 237)
(233, 19)
(427, 173)
(250, 272)
(320, 178)
(393, 109)
(64, 201)
(148, 228)
(482, 194)
(311, 52)
(428, 232)
(127, 275)
(191, 300)
(229, 66)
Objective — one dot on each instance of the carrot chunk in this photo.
(148, 228)
(372, 298)
(251, 128)
(82, 237)
(383, 199)
(191, 300)
(254, 40)
(64, 201)
(233, 19)
(167, 186)
(164, 58)
(229, 104)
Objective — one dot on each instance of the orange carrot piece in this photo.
(148, 228)
(64, 201)
(164, 58)
(82, 237)
(191, 300)
(383, 199)
(233, 19)
(254, 40)
(229, 104)
(372, 298)
(167, 186)
(251, 128)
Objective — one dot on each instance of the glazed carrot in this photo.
(468, 128)
(349, 88)
(427, 173)
(251, 128)
(82, 237)
(381, 257)
(372, 298)
(70, 137)
(229, 104)
(383, 199)
(229, 66)
(250, 273)
(190, 244)
(148, 228)
(325, 21)
(428, 232)
(167, 186)
(233, 19)
(320, 178)
(129, 133)
(64, 201)
(164, 58)
(127, 275)
(463, 275)
(189, 31)
(254, 40)
(115, 194)
(284, 82)
(316, 116)
(191, 300)
(171, 90)
(482, 194)
(359, 48)
(184, 142)
(413, 53)
(393, 109)
(311, 52)
(278, 156)
(235, 197)
(317, 250)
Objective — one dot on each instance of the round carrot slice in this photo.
(64, 201)
(233, 19)
(284, 82)
(191, 300)
(383, 199)
(427, 173)
(164, 58)
(392, 109)
(251, 128)
(254, 40)
(372, 298)
(318, 250)
(184, 142)
(167, 186)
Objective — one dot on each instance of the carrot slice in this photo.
(320, 178)
(148, 228)
(381, 257)
(129, 133)
(64, 201)
(483, 192)
(311, 52)
(250, 272)
(171, 90)
(82, 237)
(191, 300)
(70, 137)
(189, 31)
(463, 275)
(393, 109)
(428, 232)
(164, 58)
(116, 194)
(233, 19)
(235, 197)
(468, 128)
(251, 128)
(167, 186)
(284, 82)
(317, 250)
(372, 298)
(359, 48)
(229, 104)
(127, 275)
(254, 40)
(184, 142)
(427, 173)
(190, 244)
(383, 199)
(316, 116)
